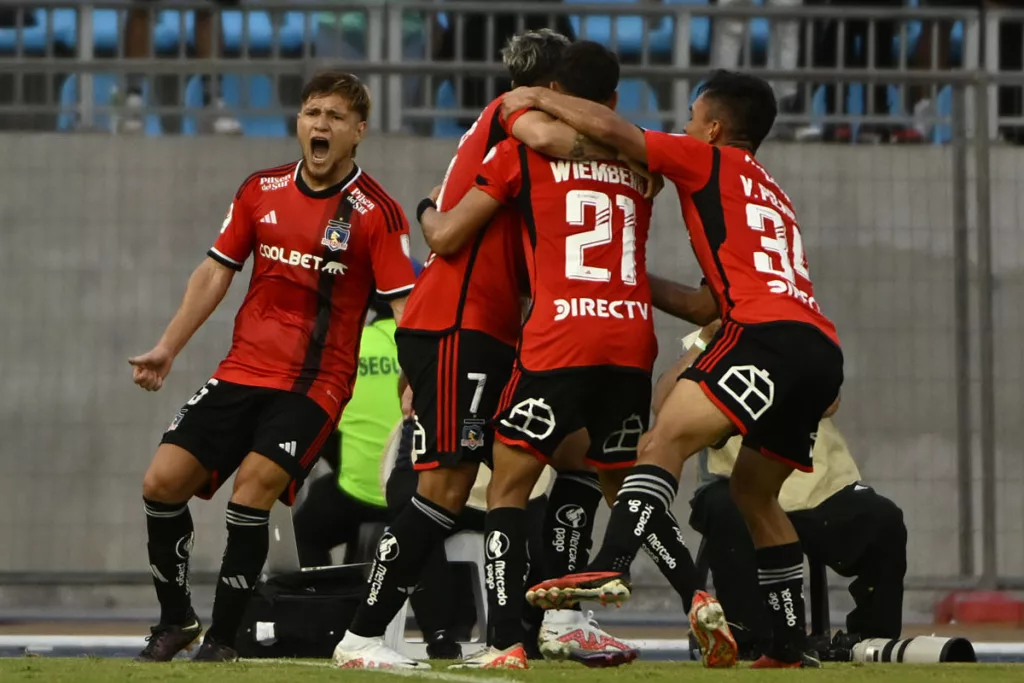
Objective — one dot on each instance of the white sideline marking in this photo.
(414, 673)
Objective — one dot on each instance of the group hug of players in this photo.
(548, 199)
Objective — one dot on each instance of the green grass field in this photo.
(95, 670)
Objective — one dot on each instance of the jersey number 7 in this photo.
(576, 204)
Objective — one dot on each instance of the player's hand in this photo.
(407, 402)
(435, 193)
(520, 98)
(151, 368)
(655, 181)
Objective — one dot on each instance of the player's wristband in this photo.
(699, 343)
(425, 204)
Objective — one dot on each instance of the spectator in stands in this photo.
(344, 36)
(138, 36)
(841, 522)
(475, 93)
(340, 502)
(727, 44)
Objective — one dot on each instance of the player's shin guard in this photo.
(569, 522)
(171, 535)
(402, 553)
(505, 574)
(663, 542)
(246, 552)
(646, 493)
(780, 572)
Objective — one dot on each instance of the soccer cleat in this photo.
(568, 634)
(806, 662)
(606, 587)
(492, 658)
(707, 623)
(167, 640)
(212, 651)
(357, 652)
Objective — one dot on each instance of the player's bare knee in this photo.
(515, 473)
(160, 488)
(173, 477)
(448, 487)
(259, 482)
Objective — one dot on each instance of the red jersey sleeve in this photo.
(682, 159)
(237, 234)
(390, 252)
(511, 120)
(501, 175)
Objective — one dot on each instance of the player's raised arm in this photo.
(497, 183)
(543, 133)
(694, 305)
(447, 232)
(595, 121)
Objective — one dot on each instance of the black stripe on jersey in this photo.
(224, 261)
(322, 323)
(497, 132)
(275, 172)
(523, 201)
(708, 202)
(391, 209)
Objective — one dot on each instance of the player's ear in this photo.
(554, 85)
(715, 131)
(614, 101)
(360, 131)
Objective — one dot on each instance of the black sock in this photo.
(780, 572)
(244, 556)
(402, 553)
(505, 573)
(648, 491)
(664, 544)
(569, 522)
(171, 535)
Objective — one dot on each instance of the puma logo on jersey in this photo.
(293, 257)
(584, 307)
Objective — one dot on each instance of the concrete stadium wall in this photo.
(99, 235)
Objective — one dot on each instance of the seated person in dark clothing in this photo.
(841, 522)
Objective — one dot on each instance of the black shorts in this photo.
(774, 382)
(456, 382)
(223, 422)
(538, 410)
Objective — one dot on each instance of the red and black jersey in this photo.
(318, 258)
(585, 226)
(477, 288)
(743, 230)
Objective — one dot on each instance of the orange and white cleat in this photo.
(492, 658)
(572, 635)
(707, 621)
(566, 591)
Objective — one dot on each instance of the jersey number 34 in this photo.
(576, 204)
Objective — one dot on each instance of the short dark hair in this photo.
(589, 70)
(746, 101)
(533, 57)
(340, 83)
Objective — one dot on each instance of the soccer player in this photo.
(323, 236)
(588, 345)
(456, 345)
(770, 372)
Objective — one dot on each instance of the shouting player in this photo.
(769, 373)
(588, 345)
(323, 236)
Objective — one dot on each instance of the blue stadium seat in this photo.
(107, 30)
(639, 104)
(261, 32)
(258, 94)
(700, 27)
(629, 30)
(446, 126)
(33, 36)
(103, 86)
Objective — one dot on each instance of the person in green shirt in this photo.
(339, 503)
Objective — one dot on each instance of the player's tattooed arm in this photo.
(446, 233)
(594, 120)
(547, 135)
(694, 305)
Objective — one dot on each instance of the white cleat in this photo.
(493, 658)
(568, 634)
(357, 652)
